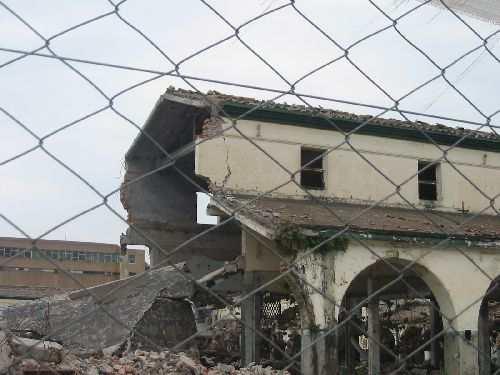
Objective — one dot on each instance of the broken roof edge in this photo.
(418, 238)
(244, 220)
(103, 289)
(273, 231)
(415, 131)
(232, 106)
(199, 103)
(316, 118)
(322, 118)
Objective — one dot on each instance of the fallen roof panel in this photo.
(275, 213)
(76, 319)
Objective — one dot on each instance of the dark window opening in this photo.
(312, 174)
(427, 181)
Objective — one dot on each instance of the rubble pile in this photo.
(141, 362)
(30, 356)
(147, 310)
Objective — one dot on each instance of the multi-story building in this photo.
(348, 203)
(58, 266)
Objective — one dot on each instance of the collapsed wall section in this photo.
(160, 186)
(111, 314)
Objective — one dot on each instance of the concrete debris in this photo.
(135, 363)
(5, 353)
(145, 311)
(46, 351)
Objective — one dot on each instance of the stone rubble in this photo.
(138, 362)
(45, 351)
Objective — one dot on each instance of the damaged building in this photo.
(353, 220)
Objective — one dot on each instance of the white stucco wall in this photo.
(458, 276)
(458, 282)
(235, 162)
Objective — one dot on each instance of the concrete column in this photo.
(318, 355)
(373, 331)
(460, 352)
(347, 341)
(468, 353)
(435, 326)
(250, 317)
(484, 341)
(350, 350)
(124, 271)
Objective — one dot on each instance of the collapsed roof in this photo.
(269, 215)
(77, 320)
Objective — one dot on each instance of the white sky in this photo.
(37, 194)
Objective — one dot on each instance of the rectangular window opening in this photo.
(131, 259)
(427, 181)
(312, 175)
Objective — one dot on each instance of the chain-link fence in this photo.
(345, 243)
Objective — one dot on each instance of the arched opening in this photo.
(392, 321)
(489, 330)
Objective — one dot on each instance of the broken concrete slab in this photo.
(153, 302)
(5, 353)
(44, 351)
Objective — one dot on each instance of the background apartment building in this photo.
(27, 273)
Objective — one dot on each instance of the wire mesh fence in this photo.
(388, 265)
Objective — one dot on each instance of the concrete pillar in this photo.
(124, 271)
(484, 340)
(349, 365)
(468, 353)
(250, 317)
(350, 335)
(373, 331)
(319, 355)
(435, 318)
(460, 353)
(318, 358)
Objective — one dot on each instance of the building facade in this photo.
(359, 209)
(52, 266)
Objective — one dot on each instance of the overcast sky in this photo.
(38, 194)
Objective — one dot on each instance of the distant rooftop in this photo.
(53, 244)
